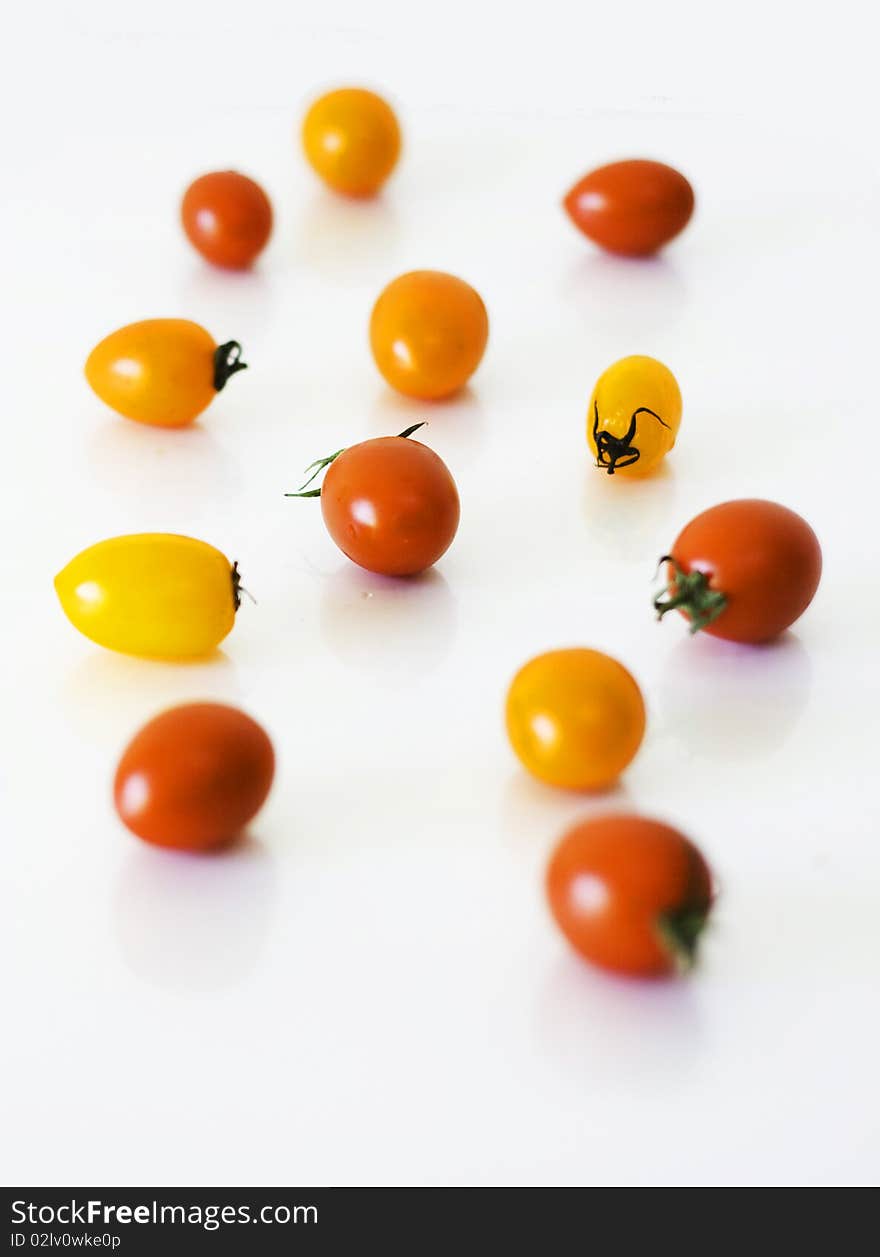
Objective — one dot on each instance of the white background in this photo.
(369, 990)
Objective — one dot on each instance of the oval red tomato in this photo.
(194, 776)
(630, 894)
(227, 217)
(390, 504)
(631, 207)
(744, 571)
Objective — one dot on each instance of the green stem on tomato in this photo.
(680, 931)
(320, 463)
(690, 592)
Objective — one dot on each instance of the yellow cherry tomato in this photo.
(428, 332)
(575, 718)
(161, 371)
(152, 594)
(634, 416)
(352, 140)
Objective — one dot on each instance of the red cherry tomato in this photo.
(228, 218)
(631, 207)
(630, 894)
(744, 571)
(390, 504)
(194, 776)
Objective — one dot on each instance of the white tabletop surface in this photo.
(369, 990)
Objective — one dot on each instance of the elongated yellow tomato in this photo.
(634, 416)
(152, 594)
(161, 371)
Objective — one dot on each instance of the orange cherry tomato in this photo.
(352, 140)
(428, 333)
(161, 371)
(744, 571)
(630, 894)
(631, 207)
(390, 504)
(575, 718)
(227, 217)
(194, 777)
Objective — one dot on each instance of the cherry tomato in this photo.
(194, 776)
(630, 894)
(390, 504)
(151, 594)
(161, 371)
(631, 207)
(227, 217)
(744, 570)
(575, 718)
(634, 416)
(352, 140)
(428, 333)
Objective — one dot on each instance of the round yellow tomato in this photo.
(152, 594)
(161, 371)
(428, 332)
(634, 416)
(575, 718)
(352, 140)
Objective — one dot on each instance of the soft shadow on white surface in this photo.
(194, 922)
(394, 629)
(462, 416)
(534, 816)
(344, 238)
(630, 297)
(139, 463)
(723, 701)
(618, 1032)
(627, 517)
(108, 692)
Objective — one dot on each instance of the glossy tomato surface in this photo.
(227, 217)
(391, 505)
(194, 776)
(631, 207)
(633, 416)
(629, 894)
(764, 558)
(351, 139)
(428, 333)
(575, 718)
(157, 595)
(158, 371)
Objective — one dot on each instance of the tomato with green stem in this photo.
(390, 503)
(161, 371)
(630, 894)
(744, 571)
(194, 776)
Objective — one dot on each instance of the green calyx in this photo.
(320, 463)
(227, 361)
(690, 592)
(680, 931)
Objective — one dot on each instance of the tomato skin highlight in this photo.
(158, 371)
(194, 776)
(156, 595)
(227, 217)
(391, 505)
(631, 207)
(764, 558)
(428, 334)
(630, 894)
(575, 718)
(351, 139)
(624, 437)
